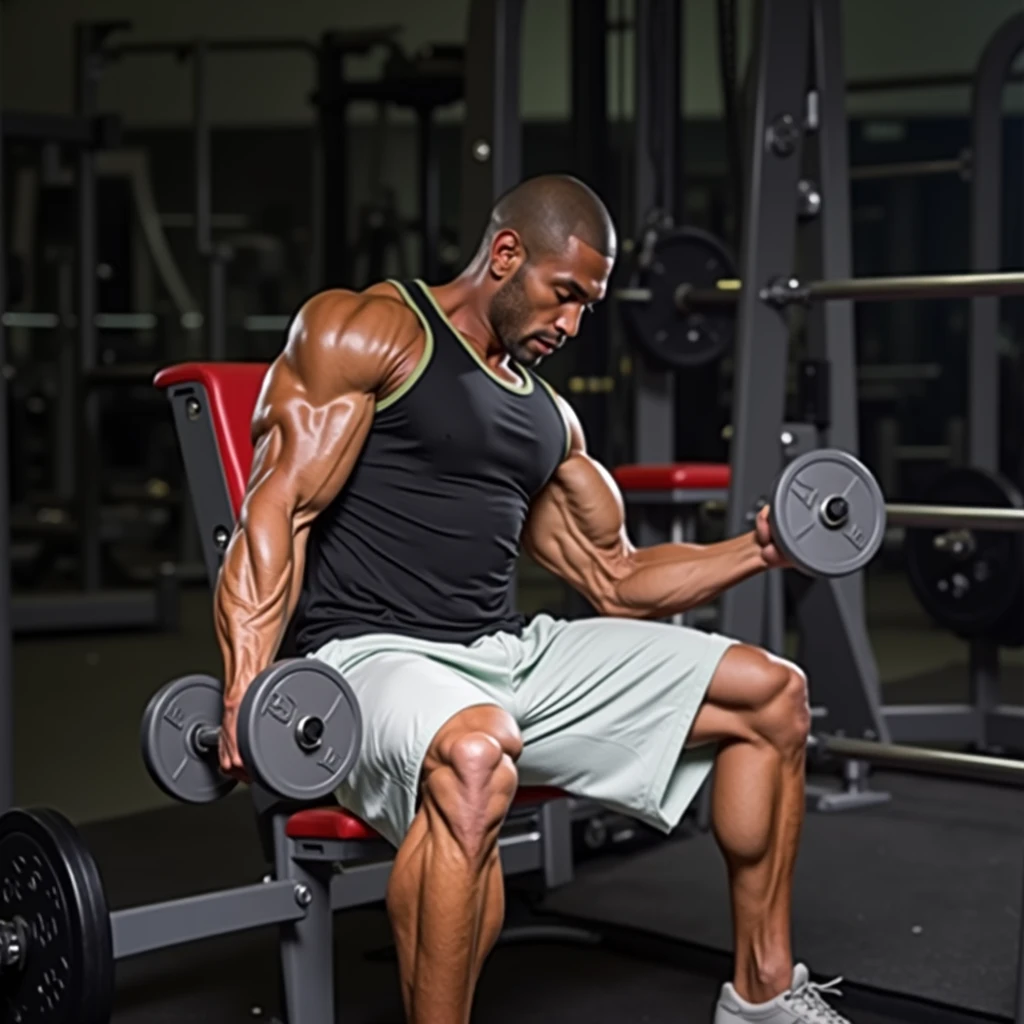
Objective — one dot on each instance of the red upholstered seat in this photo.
(337, 823)
(232, 390)
(678, 476)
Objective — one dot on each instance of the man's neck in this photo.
(464, 302)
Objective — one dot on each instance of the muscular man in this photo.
(405, 452)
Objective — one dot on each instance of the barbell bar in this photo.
(1004, 520)
(922, 759)
(782, 292)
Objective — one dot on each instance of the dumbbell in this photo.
(827, 513)
(298, 730)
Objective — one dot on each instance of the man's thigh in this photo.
(405, 697)
(606, 707)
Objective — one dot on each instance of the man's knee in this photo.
(470, 778)
(783, 716)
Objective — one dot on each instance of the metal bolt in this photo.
(221, 536)
(810, 199)
(193, 409)
(302, 895)
(787, 438)
(782, 135)
(481, 151)
(267, 879)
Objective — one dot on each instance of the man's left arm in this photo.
(576, 530)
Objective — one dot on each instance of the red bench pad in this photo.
(677, 476)
(337, 823)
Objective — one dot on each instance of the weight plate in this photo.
(808, 524)
(274, 709)
(680, 340)
(168, 724)
(968, 581)
(51, 883)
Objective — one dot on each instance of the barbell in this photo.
(680, 302)
(781, 292)
(299, 729)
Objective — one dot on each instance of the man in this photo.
(405, 450)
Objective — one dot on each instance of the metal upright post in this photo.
(215, 315)
(331, 108)
(656, 118)
(430, 195)
(781, 42)
(6, 667)
(491, 133)
(87, 62)
(591, 159)
(986, 226)
(833, 639)
(983, 406)
(853, 694)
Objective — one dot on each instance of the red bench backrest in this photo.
(232, 390)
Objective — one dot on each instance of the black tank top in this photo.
(423, 538)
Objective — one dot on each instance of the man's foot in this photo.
(803, 1003)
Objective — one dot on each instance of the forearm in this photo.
(254, 600)
(667, 579)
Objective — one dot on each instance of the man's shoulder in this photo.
(345, 340)
(377, 312)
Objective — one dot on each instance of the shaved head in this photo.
(546, 212)
(545, 259)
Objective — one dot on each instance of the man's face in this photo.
(543, 301)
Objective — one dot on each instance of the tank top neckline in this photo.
(525, 384)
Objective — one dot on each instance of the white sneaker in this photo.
(802, 1004)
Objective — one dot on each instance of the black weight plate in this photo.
(970, 594)
(274, 706)
(50, 881)
(673, 339)
(168, 722)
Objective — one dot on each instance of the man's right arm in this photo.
(344, 351)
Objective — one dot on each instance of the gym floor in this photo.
(919, 897)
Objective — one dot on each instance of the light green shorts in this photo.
(604, 706)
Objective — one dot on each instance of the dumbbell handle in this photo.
(308, 734)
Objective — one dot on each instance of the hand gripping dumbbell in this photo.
(299, 730)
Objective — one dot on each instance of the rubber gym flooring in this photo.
(921, 896)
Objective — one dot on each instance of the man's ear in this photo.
(507, 254)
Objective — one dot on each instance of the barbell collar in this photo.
(1007, 520)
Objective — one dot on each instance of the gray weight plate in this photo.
(275, 709)
(168, 723)
(828, 513)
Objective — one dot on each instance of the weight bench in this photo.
(329, 858)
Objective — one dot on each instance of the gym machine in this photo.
(969, 580)
(93, 606)
(215, 255)
(423, 82)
